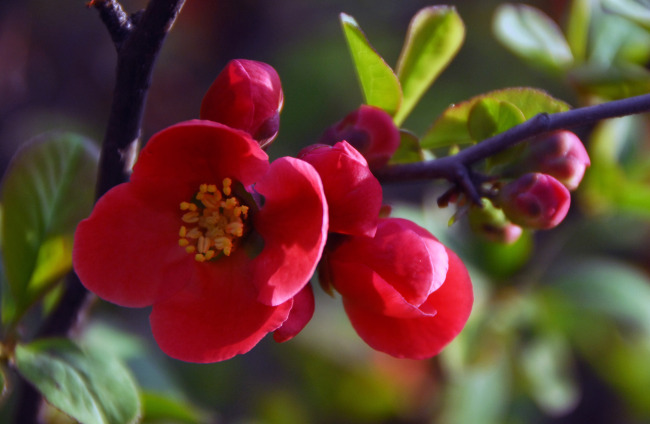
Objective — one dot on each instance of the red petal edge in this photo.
(301, 312)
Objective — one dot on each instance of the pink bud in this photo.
(246, 95)
(560, 154)
(370, 130)
(535, 200)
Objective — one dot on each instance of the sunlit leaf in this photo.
(577, 31)
(634, 10)
(548, 369)
(160, 408)
(489, 117)
(434, 37)
(91, 388)
(532, 35)
(451, 127)
(46, 191)
(379, 83)
(409, 149)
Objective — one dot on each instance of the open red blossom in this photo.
(246, 95)
(370, 130)
(353, 194)
(187, 236)
(405, 293)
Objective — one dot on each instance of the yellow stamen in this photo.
(212, 222)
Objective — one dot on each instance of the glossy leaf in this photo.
(489, 117)
(451, 128)
(160, 408)
(379, 84)
(91, 388)
(533, 36)
(434, 37)
(46, 191)
(409, 149)
(635, 10)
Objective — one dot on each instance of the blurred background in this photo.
(560, 332)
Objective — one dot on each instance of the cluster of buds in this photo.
(536, 192)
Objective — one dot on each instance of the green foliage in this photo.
(635, 10)
(46, 191)
(533, 36)
(380, 85)
(409, 149)
(498, 110)
(433, 39)
(159, 408)
(93, 388)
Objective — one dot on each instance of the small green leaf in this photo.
(91, 388)
(489, 117)
(160, 408)
(434, 37)
(379, 84)
(577, 31)
(409, 149)
(533, 36)
(46, 191)
(635, 10)
(451, 128)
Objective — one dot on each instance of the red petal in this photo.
(293, 224)
(301, 312)
(127, 251)
(419, 338)
(353, 194)
(402, 253)
(217, 316)
(196, 152)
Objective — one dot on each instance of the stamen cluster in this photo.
(213, 222)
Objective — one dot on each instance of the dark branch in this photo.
(450, 167)
(117, 21)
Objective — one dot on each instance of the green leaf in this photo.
(434, 37)
(533, 36)
(547, 367)
(160, 408)
(451, 128)
(379, 84)
(409, 149)
(577, 31)
(46, 191)
(93, 388)
(635, 10)
(489, 117)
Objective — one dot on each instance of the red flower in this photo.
(405, 293)
(353, 193)
(191, 235)
(370, 130)
(535, 200)
(246, 95)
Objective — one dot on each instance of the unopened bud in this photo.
(535, 200)
(246, 95)
(561, 155)
(491, 223)
(370, 130)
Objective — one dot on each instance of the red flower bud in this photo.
(370, 130)
(246, 95)
(535, 200)
(560, 154)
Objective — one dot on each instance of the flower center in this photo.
(212, 222)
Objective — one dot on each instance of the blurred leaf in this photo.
(434, 37)
(533, 36)
(609, 288)
(451, 127)
(479, 394)
(379, 83)
(502, 260)
(409, 149)
(547, 367)
(91, 388)
(577, 31)
(489, 117)
(611, 83)
(617, 42)
(160, 408)
(635, 10)
(46, 191)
